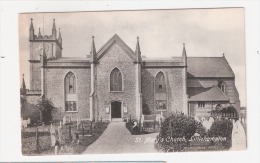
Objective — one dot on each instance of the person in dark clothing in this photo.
(135, 129)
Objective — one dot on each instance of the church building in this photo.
(116, 82)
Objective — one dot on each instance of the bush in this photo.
(176, 130)
(222, 128)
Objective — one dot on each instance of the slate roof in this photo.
(206, 94)
(209, 67)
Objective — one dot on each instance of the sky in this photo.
(205, 32)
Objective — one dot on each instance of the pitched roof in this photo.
(209, 67)
(110, 42)
(207, 94)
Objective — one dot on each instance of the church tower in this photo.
(40, 45)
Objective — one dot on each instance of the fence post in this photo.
(37, 140)
(154, 123)
(82, 130)
(170, 125)
(77, 123)
(59, 134)
(140, 125)
(70, 137)
(91, 127)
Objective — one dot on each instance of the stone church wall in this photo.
(174, 85)
(115, 57)
(55, 90)
(35, 76)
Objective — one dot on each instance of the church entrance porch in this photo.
(116, 111)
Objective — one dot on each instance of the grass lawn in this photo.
(68, 146)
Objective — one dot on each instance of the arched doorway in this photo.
(116, 109)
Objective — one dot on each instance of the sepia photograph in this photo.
(140, 81)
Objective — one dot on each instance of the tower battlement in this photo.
(53, 37)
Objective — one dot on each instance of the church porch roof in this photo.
(207, 94)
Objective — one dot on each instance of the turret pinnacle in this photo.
(39, 34)
(54, 26)
(31, 26)
(138, 51)
(59, 33)
(93, 51)
(60, 38)
(31, 31)
(184, 50)
(23, 88)
(184, 55)
(54, 31)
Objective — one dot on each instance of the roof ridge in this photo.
(110, 42)
(203, 57)
(106, 43)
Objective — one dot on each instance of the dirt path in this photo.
(117, 139)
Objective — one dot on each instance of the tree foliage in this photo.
(46, 107)
(222, 128)
(177, 128)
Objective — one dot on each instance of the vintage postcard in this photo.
(143, 81)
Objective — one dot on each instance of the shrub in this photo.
(222, 128)
(176, 130)
(30, 111)
(46, 107)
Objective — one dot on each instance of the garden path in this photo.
(117, 139)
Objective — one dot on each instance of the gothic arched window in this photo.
(222, 86)
(70, 93)
(160, 85)
(116, 80)
(70, 83)
(160, 92)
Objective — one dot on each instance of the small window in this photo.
(219, 107)
(201, 104)
(160, 84)
(221, 86)
(71, 106)
(161, 105)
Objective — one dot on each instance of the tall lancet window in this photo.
(70, 92)
(116, 80)
(160, 92)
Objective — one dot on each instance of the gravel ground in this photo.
(117, 139)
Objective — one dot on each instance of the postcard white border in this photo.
(10, 140)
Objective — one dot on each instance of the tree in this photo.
(46, 107)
